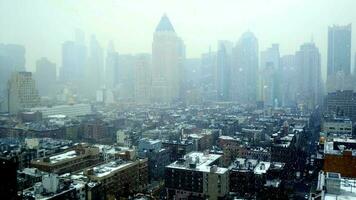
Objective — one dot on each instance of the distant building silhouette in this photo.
(269, 88)
(309, 76)
(74, 54)
(339, 58)
(45, 76)
(167, 56)
(244, 69)
(223, 70)
(12, 58)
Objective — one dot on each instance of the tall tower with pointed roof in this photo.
(167, 58)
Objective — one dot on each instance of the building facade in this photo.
(22, 92)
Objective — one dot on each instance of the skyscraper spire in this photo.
(164, 24)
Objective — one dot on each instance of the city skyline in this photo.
(183, 100)
(107, 20)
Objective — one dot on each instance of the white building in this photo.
(67, 110)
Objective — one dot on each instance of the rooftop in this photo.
(199, 161)
(164, 24)
(107, 168)
(63, 156)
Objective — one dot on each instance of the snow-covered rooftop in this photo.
(202, 162)
(63, 156)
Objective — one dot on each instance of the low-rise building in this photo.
(76, 158)
(197, 176)
(120, 178)
(73, 110)
(342, 126)
(333, 186)
(340, 157)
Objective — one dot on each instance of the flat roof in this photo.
(347, 190)
(202, 161)
(107, 168)
(63, 156)
(262, 167)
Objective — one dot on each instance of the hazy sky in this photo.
(43, 25)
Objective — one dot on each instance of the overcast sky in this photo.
(43, 25)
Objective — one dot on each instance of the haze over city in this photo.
(177, 100)
(130, 23)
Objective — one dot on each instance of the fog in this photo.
(42, 26)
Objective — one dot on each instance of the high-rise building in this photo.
(125, 77)
(167, 56)
(309, 76)
(74, 57)
(339, 57)
(14, 55)
(143, 78)
(45, 76)
(111, 66)
(269, 88)
(22, 92)
(223, 70)
(12, 58)
(94, 68)
(289, 80)
(208, 76)
(244, 69)
(339, 49)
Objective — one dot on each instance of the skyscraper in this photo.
(309, 76)
(125, 74)
(223, 71)
(244, 69)
(22, 92)
(339, 57)
(94, 68)
(45, 76)
(269, 91)
(167, 55)
(111, 66)
(12, 58)
(289, 83)
(208, 76)
(73, 60)
(143, 78)
(339, 49)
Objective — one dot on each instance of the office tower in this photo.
(143, 78)
(13, 55)
(45, 76)
(111, 66)
(223, 70)
(12, 58)
(22, 92)
(244, 69)
(339, 57)
(94, 68)
(125, 77)
(167, 55)
(289, 80)
(269, 91)
(309, 76)
(191, 81)
(73, 60)
(208, 76)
